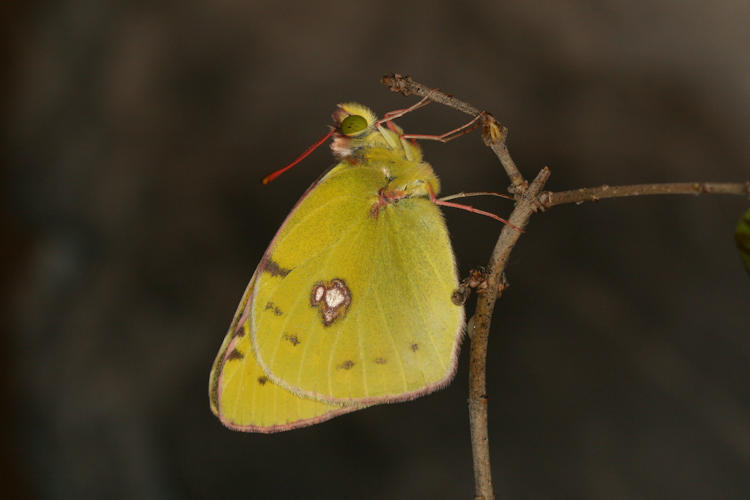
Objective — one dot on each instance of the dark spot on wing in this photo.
(380, 361)
(239, 331)
(415, 347)
(346, 365)
(293, 339)
(272, 307)
(262, 380)
(274, 269)
(235, 354)
(332, 298)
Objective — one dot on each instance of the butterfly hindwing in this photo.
(245, 399)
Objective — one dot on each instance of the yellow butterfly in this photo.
(351, 305)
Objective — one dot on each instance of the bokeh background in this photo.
(135, 135)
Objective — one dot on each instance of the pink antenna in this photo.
(273, 175)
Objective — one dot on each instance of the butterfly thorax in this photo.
(405, 174)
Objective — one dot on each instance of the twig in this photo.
(518, 184)
(479, 333)
(529, 198)
(549, 199)
(494, 134)
(403, 84)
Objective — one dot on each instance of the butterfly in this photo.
(351, 304)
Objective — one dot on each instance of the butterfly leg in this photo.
(477, 193)
(468, 208)
(384, 198)
(397, 113)
(451, 134)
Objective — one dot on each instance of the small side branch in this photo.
(549, 199)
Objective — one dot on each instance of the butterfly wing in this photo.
(353, 305)
(245, 399)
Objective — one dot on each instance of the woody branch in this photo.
(529, 199)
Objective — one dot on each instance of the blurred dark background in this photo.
(135, 135)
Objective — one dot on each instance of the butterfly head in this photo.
(356, 128)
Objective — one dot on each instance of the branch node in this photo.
(545, 199)
(492, 131)
(401, 84)
(518, 190)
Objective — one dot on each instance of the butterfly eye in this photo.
(353, 124)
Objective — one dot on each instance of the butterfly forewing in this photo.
(354, 304)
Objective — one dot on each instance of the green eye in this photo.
(353, 124)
